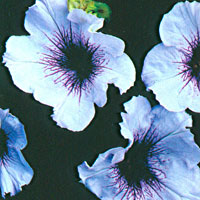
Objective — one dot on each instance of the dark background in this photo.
(55, 153)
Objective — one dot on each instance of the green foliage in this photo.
(101, 10)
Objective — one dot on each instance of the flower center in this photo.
(3, 143)
(194, 62)
(138, 173)
(73, 60)
(190, 64)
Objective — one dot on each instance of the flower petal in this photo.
(161, 74)
(134, 121)
(110, 44)
(95, 178)
(45, 16)
(176, 121)
(182, 179)
(24, 60)
(15, 172)
(180, 23)
(14, 130)
(161, 63)
(98, 93)
(86, 22)
(176, 137)
(122, 71)
(195, 99)
(74, 113)
(21, 55)
(104, 160)
(173, 98)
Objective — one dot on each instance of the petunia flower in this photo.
(15, 172)
(172, 68)
(65, 63)
(160, 162)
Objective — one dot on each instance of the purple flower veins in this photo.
(76, 61)
(190, 64)
(137, 172)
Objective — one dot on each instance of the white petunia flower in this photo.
(65, 63)
(172, 68)
(160, 163)
(15, 172)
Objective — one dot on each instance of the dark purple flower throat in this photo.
(73, 60)
(190, 64)
(137, 173)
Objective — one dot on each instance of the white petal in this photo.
(74, 113)
(137, 117)
(161, 74)
(160, 64)
(95, 178)
(166, 122)
(22, 58)
(181, 145)
(98, 93)
(182, 179)
(15, 173)
(44, 17)
(108, 43)
(173, 94)
(178, 24)
(122, 71)
(22, 55)
(86, 22)
(195, 102)
(104, 160)
(174, 136)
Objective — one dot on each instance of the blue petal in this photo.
(14, 130)
(14, 172)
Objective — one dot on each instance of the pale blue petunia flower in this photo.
(66, 64)
(15, 172)
(160, 162)
(172, 68)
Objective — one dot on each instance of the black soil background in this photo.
(54, 153)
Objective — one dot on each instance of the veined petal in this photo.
(190, 176)
(123, 72)
(95, 177)
(162, 156)
(99, 93)
(14, 130)
(74, 113)
(22, 53)
(15, 172)
(112, 45)
(171, 69)
(161, 63)
(194, 106)
(175, 135)
(86, 22)
(179, 23)
(174, 96)
(44, 16)
(134, 121)
(22, 60)
(176, 121)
